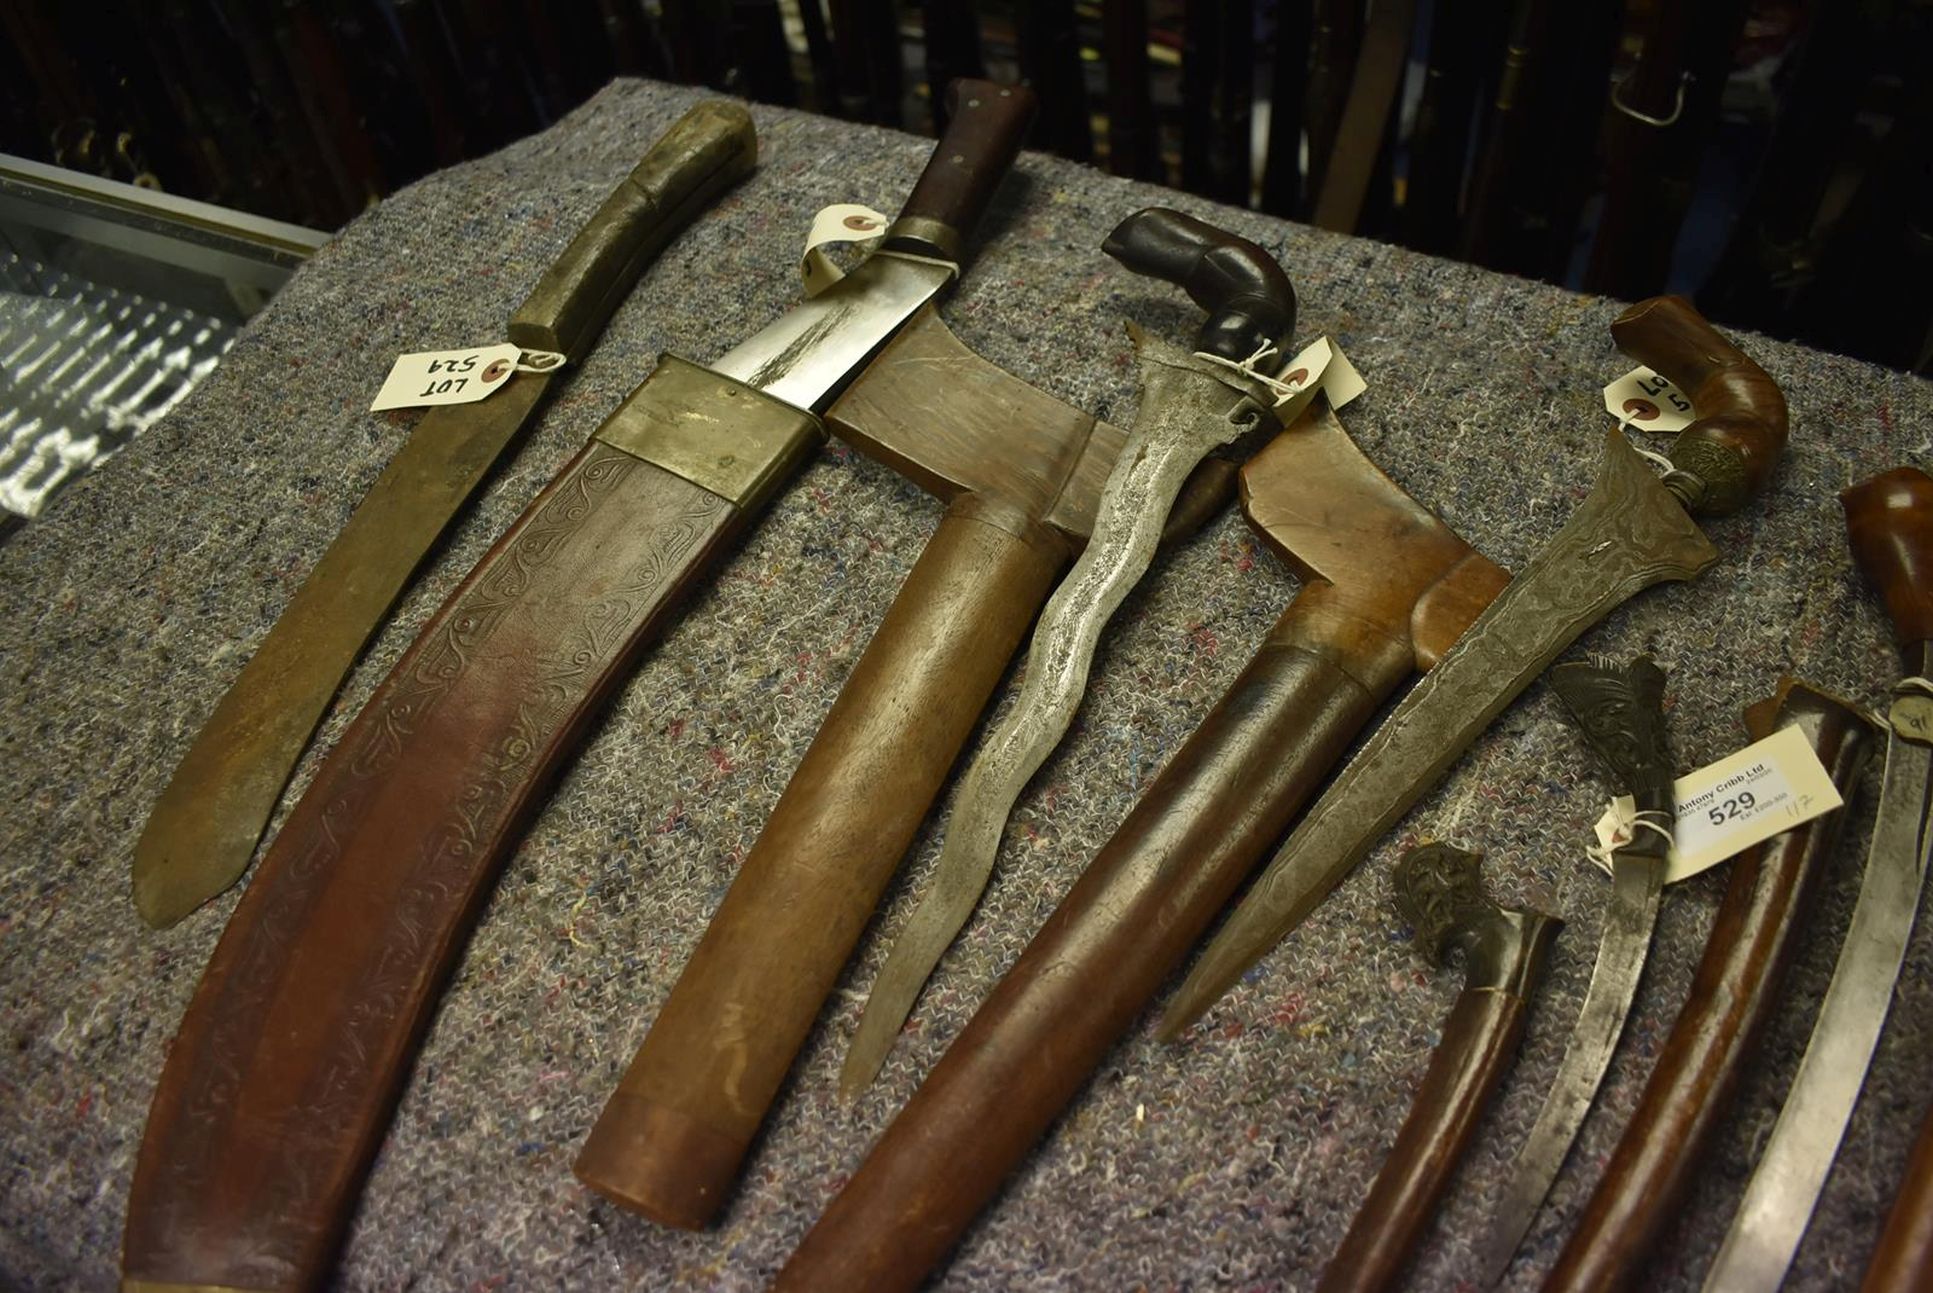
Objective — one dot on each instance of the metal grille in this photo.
(83, 370)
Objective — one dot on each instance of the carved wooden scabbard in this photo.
(1733, 993)
(1504, 957)
(1403, 588)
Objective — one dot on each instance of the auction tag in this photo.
(845, 222)
(1321, 366)
(1768, 787)
(1648, 402)
(446, 376)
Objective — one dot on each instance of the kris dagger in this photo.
(205, 826)
(1632, 531)
(1190, 406)
(279, 1085)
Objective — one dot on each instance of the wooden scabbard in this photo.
(1733, 993)
(669, 1142)
(1903, 1260)
(1479, 1041)
(279, 1085)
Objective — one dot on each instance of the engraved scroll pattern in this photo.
(427, 908)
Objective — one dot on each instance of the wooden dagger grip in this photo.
(1889, 523)
(669, 1142)
(1226, 796)
(1732, 994)
(1903, 1260)
(278, 1087)
(1479, 1040)
(986, 124)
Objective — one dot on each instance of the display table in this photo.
(1235, 1159)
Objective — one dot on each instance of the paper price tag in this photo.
(1649, 402)
(1768, 787)
(446, 376)
(844, 222)
(1320, 366)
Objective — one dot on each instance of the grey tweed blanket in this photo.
(1234, 1160)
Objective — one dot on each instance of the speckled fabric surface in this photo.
(1234, 1160)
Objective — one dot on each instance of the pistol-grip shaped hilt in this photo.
(1889, 523)
(1439, 890)
(1730, 449)
(1621, 712)
(1249, 300)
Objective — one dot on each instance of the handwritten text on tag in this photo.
(446, 376)
(1768, 787)
(1649, 402)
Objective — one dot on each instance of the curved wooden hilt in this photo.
(1248, 298)
(1889, 523)
(1729, 450)
(1621, 713)
(986, 123)
(1440, 890)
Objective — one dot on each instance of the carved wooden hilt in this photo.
(1439, 890)
(1889, 522)
(1729, 450)
(1248, 298)
(1621, 712)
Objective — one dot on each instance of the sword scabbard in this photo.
(669, 1142)
(1902, 1262)
(1733, 992)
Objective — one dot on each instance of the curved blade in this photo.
(1186, 411)
(1778, 1203)
(1628, 534)
(1636, 883)
(204, 828)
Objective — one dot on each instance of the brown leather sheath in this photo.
(1732, 994)
(279, 1085)
(1903, 1260)
(1226, 796)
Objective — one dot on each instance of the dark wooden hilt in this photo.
(1387, 587)
(1622, 715)
(1733, 993)
(1889, 522)
(1730, 449)
(1440, 890)
(1021, 474)
(986, 125)
(1248, 298)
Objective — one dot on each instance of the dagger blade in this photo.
(1629, 533)
(1637, 883)
(1188, 410)
(1778, 1202)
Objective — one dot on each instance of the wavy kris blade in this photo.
(1186, 411)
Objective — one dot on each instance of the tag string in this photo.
(1651, 819)
(539, 361)
(1284, 391)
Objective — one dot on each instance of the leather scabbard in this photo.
(280, 1083)
(1733, 993)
